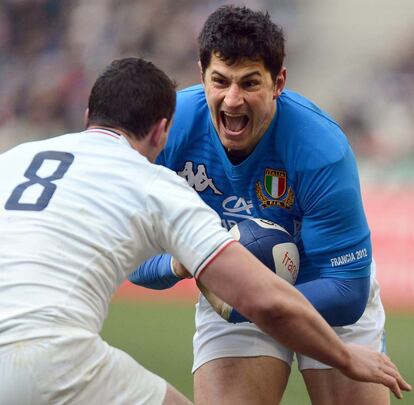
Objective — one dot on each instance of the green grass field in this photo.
(159, 336)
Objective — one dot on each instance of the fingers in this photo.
(223, 309)
(378, 368)
(393, 370)
(404, 384)
(392, 384)
(389, 379)
(179, 270)
(392, 378)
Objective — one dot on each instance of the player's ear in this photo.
(86, 117)
(158, 133)
(200, 68)
(280, 82)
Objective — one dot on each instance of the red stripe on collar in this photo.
(105, 131)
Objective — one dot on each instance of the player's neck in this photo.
(109, 129)
(236, 158)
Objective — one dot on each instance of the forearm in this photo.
(298, 326)
(273, 304)
(340, 302)
(284, 313)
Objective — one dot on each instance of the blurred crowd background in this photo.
(355, 59)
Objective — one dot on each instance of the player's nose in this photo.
(234, 96)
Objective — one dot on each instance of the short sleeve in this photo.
(185, 226)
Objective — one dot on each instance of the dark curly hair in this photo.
(234, 33)
(131, 94)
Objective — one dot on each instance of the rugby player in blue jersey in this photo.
(252, 148)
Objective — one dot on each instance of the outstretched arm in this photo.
(340, 302)
(159, 273)
(284, 313)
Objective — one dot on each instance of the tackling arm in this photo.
(284, 313)
(340, 302)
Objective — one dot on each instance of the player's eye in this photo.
(218, 81)
(248, 84)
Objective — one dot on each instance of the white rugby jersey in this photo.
(78, 213)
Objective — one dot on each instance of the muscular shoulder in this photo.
(190, 126)
(192, 109)
(307, 135)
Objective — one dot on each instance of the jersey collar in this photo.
(110, 133)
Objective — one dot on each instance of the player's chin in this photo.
(237, 143)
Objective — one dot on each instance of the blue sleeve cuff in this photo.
(155, 273)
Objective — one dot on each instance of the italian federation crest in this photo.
(275, 194)
(275, 182)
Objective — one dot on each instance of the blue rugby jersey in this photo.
(302, 175)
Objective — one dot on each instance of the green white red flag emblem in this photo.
(275, 182)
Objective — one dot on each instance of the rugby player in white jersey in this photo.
(79, 212)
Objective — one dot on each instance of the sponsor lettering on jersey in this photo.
(274, 185)
(199, 180)
(236, 207)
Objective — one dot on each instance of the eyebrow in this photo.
(248, 75)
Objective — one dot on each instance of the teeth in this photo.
(235, 122)
(233, 115)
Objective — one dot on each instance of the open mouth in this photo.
(234, 123)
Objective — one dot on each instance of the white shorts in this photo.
(76, 368)
(215, 338)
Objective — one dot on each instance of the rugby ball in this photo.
(271, 244)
